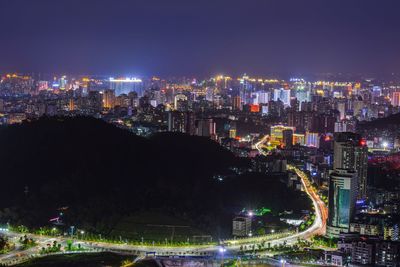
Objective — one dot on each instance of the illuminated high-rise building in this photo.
(109, 99)
(303, 96)
(341, 107)
(237, 103)
(277, 132)
(299, 139)
(282, 95)
(312, 139)
(287, 136)
(345, 126)
(351, 152)
(210, 94)
(263, 97)
(342, 199)
(63, 82)
(395, 99)
(206, 127)
(127, 85)
(43, 85)
(180, 102)
(71, 105)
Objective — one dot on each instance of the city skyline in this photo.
(201, 133)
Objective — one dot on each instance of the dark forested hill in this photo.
(101, 172)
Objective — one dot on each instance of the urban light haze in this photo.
(199, 133)
(179, 37)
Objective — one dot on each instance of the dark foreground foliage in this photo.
(102, 173)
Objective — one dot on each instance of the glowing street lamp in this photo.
(385, 145)
(222, 251)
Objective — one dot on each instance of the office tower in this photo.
(299, 139)
(358, 105)
(210, 94)
(206, 127)
(351, 152)
(71, 104)
(387, 253)
(237, 103)
(363, 252)
(342, 199)
(345, 126)
(303, 96)
(94, 101)
(312, 139)
(43, 85)
(287, 135)
(341, 107)
(180, 102)
(175, 121)
(395, 99)
(126, 85)
(241, 226)
(323, 123)
(63, 82)
(282, 95)
(277, 132)
(190, 123)
(109, 99)
(263, 97)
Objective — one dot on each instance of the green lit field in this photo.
(79, 260)
(156, 227)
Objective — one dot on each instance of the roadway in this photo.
(232, 246)
(319, 226)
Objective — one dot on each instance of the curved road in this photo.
(232, 246)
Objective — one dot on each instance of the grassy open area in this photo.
(156, 227)
(79, 260)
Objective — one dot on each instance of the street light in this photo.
(222, 251)
(283, 262)
(385, 145)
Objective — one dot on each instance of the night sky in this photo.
(205, 37)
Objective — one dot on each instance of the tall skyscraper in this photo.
(126, 85)
(283, 95)
(341, 107)
(342, 199)
(237, 103)
(206, 127)
(180, 102)
(396, 99)
(312, 139)
(108, 99)
(351, 152)
(287, 135)
(1, 105)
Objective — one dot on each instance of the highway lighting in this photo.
(385, 145)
